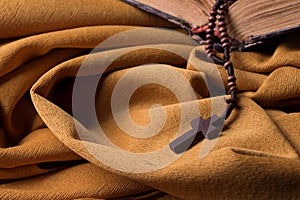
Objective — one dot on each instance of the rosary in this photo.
(211, 127)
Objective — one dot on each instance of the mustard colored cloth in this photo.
(43, 45)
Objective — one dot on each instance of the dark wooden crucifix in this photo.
(209, 128)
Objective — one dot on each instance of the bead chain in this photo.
(218, 12)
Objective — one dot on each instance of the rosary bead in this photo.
(224, 40)
(213, 13)
(230, 84)
(224, 35)
(209, 36)
(224, 7)
(226, 51)
(209, 41)
(221, 18)
(210, 54)
(226, 55)
(228, 64)
(218, 4)
(208, 51)
(221, 12)
(222, 24)
(231, 79)
(234, 93)
(231, 89)
(212, 18)
(209, 46)
(223, 29)
(230, 71)
(226, 44)
(210, 31)
(211, 25)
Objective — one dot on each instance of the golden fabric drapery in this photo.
(43, 45)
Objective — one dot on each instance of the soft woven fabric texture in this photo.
(43, 45)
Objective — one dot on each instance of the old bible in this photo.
(249, 22)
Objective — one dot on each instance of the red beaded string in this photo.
(218, 13)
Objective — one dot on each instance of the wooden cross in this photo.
(210, 129)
